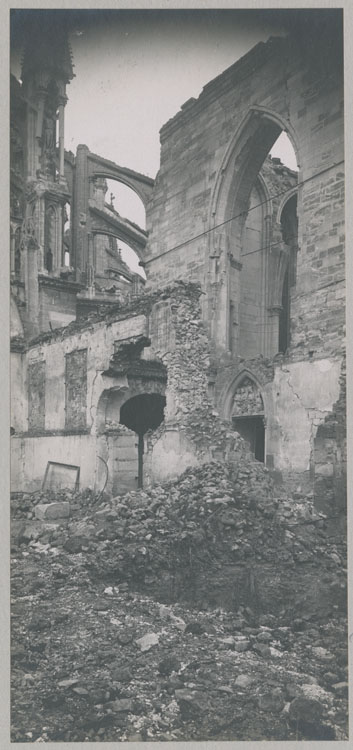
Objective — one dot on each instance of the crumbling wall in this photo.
(304, 415)
(297, 396)
(329, 457)
(304, 394)
(191, 433)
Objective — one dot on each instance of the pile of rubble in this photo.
(202, 609)
(217, 536)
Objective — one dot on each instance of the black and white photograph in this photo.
(178, 375)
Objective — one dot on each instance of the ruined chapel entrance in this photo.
(248, 417)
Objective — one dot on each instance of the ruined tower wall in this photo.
(229, 129)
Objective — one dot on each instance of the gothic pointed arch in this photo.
(245, 379)
(236, 180)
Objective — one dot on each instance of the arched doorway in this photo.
(142, 413)
(124, 416)
(248, 416)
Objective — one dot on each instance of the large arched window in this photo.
(246, 249)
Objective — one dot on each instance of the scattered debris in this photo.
(117, 637)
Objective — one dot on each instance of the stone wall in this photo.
(211, 154)
(57, 302)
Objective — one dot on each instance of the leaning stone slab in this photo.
(52, 511)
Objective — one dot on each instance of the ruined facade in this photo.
(240, 328)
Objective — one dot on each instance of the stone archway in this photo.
(124, 416)
(140, 414)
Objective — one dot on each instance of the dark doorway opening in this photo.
(140, 414)
(252, 430)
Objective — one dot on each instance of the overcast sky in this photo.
(133, 71)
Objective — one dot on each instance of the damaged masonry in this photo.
(178, 459)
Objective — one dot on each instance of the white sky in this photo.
(134, 71)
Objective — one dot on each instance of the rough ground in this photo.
(117, 633)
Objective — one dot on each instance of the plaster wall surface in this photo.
(302, 395)
(172, 454)
(29, 457)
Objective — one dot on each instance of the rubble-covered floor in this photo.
(94, 658)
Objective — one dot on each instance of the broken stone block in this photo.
(264, 636)
(147, 641)
(306, 715)
(244, 680)
(191, 702)
(241, 646)
(68, 683)
(122, 705)
(168, 665)
(261, 649)
(273, 701)
(17, 530)
(340, 688)
(52, 511)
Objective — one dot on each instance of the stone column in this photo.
(62, 102)
(90, 266)
(32, 289)
(79, 224)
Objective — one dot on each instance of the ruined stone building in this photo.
(239, 329)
